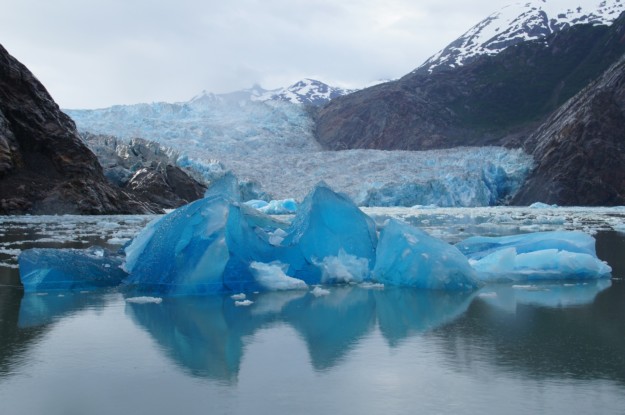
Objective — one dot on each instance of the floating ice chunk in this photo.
(320, 292)
(478, 247)
(272, 277)
(44, 269)
(240, 296)
(244, 303)
(540, 205)
(144, 300)
(407, 256)
(276, 237)
(327, 222)
(545, 264)
(620, 228)
(343, 268)
(538, 256)
(372, 286)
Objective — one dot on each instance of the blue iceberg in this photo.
(407, 256)
(215, 244)
(183, 252)
(327, 224)
(218, 244)
(537, 256)
(47, 269)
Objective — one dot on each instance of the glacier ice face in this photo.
(271, 146)
(537, 256)
(47, 269)
(407, 256)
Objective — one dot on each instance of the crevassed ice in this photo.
(272, 144)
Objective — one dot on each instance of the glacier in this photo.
(218, 245)
(270, 146)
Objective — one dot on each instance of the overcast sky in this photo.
(97, 53)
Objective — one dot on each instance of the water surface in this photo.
(548, 348)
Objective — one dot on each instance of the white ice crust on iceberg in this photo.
(272, 277)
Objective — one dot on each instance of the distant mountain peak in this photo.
(521, 22)
(305, 91)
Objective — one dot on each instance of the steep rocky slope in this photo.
(145, 170)
(580, 149)
(491, 100)
(44, 166)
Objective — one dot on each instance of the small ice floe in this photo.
(144, 300)
(527, 287)
(372, 286)
(319, 292)
(240, 296)
(488, 295)
(244, 303)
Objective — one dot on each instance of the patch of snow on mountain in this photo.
(521, 22)
(306, 91)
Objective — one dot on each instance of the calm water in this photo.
(548, 349)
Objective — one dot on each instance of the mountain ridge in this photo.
(517, 23)
(494, 100)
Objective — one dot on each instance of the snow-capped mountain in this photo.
(521, 22)
(304, 92)
(307, 91)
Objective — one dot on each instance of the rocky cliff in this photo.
(145, 170)
(492, 100)
(580, 150)
(44, 166)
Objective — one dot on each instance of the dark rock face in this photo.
(494, 100)
(580, 149)
(145, 170)
(44, 167)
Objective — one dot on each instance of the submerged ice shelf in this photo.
(218, 245)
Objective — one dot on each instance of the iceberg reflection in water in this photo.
(514, 348)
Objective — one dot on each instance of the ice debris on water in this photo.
(320, 292)
(244, 303)
(217, 244)
(144, 300)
